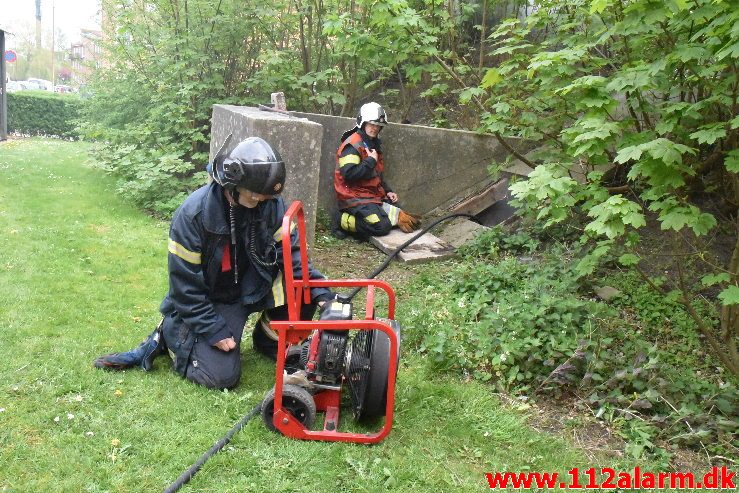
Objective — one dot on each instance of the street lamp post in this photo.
(53, 54)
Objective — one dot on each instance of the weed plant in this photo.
(515, 313)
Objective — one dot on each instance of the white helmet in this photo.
(372, 113)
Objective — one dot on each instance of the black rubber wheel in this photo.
(295, 400)
(368, 372)
(375, 397)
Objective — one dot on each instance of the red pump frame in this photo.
(293, 331)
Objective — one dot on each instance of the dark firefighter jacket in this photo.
(358, 177)
(198, 236)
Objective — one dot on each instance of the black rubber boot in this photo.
(142, 356)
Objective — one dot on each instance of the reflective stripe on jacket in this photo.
(198, 235)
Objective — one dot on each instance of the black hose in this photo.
(187, 475)
(347, 298)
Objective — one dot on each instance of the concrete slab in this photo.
(425, 249)
(460, 230)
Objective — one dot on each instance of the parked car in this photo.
(29, 86)
(13, 85)
(62, 89)
(44, 85)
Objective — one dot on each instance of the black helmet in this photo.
(373, 113)
(253, 165)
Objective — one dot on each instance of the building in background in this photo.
(85, 56)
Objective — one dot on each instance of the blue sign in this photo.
(10, 56)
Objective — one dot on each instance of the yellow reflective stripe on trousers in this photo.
(278, 291)
(392, 212)
(349, 159)
(372, 219)
(182, 252)
(278, 234)
(348, 222)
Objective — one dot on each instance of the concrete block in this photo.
(425, 249)
(298, 141)
(427, 167)
(278, 101)
(460, 230)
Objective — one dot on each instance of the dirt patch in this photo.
(599, 441)
(351, 259)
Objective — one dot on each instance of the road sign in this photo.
(10, 56)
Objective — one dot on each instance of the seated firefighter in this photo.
(367, 205)
(225, 253)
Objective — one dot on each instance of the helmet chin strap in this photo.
(232, 196)
(234, 246)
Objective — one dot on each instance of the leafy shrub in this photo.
(510, 321)
(520, 323)
(494, 240)
(155, 181)
(601, 85)
(43, 113)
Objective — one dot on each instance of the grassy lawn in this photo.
(82, 273)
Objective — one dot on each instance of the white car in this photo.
(44, 85)
(13, 85)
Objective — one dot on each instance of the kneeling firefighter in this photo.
(224, 263)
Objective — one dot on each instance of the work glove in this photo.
(398, 217)
(408, 223)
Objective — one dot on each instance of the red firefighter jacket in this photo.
(358, 177)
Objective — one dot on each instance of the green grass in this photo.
(82, 273)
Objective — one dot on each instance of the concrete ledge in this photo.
(298, 141)
(425, 249)
(483, 200)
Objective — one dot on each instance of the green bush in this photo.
(43, 113)
(510, 322)
(511, 315)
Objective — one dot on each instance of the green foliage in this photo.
(649, 373)
(588, 90)
(634, 104)
(43, 113)
(168, 63)
(520, 323)
(495, 240)
(514, 320)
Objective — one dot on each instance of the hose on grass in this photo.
(188, 475)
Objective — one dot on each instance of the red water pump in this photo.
(316, 360)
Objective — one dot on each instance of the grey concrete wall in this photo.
(427, 167)
(298, 141)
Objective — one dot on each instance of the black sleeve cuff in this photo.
(219, 336)
(326, 296)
